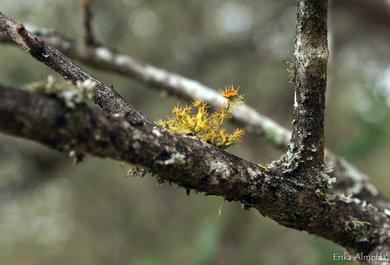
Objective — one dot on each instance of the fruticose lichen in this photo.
(197, 120)
(358, 227)
(137, 171)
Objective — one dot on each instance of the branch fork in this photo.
(290, 198)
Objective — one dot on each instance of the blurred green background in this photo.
(52, 212)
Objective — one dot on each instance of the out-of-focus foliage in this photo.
(54, 213)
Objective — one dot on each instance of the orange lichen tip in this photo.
(229, 92)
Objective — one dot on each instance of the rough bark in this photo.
(311, 57)
(305, 156)
(195, 165)
(349, 179)
(295, 194)
(104, 96)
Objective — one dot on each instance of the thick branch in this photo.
(46, 119)
(193, 164)
(349, 179)
(292, 202)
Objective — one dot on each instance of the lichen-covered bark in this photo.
(349, 179)
(295, 193)
(184, 160)
(311, 57)
(104, 58)
(195, 165)
(104, 96)
(305, 156)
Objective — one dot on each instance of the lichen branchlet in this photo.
(354, 224)
(361, 229)
(197, 120)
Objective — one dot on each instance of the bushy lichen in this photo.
(291, 70)
(360, 228)
(327, 180)
(137, 171)
(198, 121)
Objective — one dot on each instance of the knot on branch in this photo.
(31, 43)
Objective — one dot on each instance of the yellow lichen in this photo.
(264, 168)
(197, 120)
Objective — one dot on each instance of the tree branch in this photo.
(192, 164)
(349, 179)
(286, 196)
(104, 58)
(306, 149)
(104, 96)
(311, 57)
(87, 22)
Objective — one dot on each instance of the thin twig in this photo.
(104, 96)
(89, 38)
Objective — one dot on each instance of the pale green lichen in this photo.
(264, 167)
(137, 171)
(355, 224)
(360, 228)
(137, 135)
(291, 70)
(328, 180)
(290, 160)
(72, 94)
(387, 212)
(329, 166)
(349, 199)
(176, 158)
